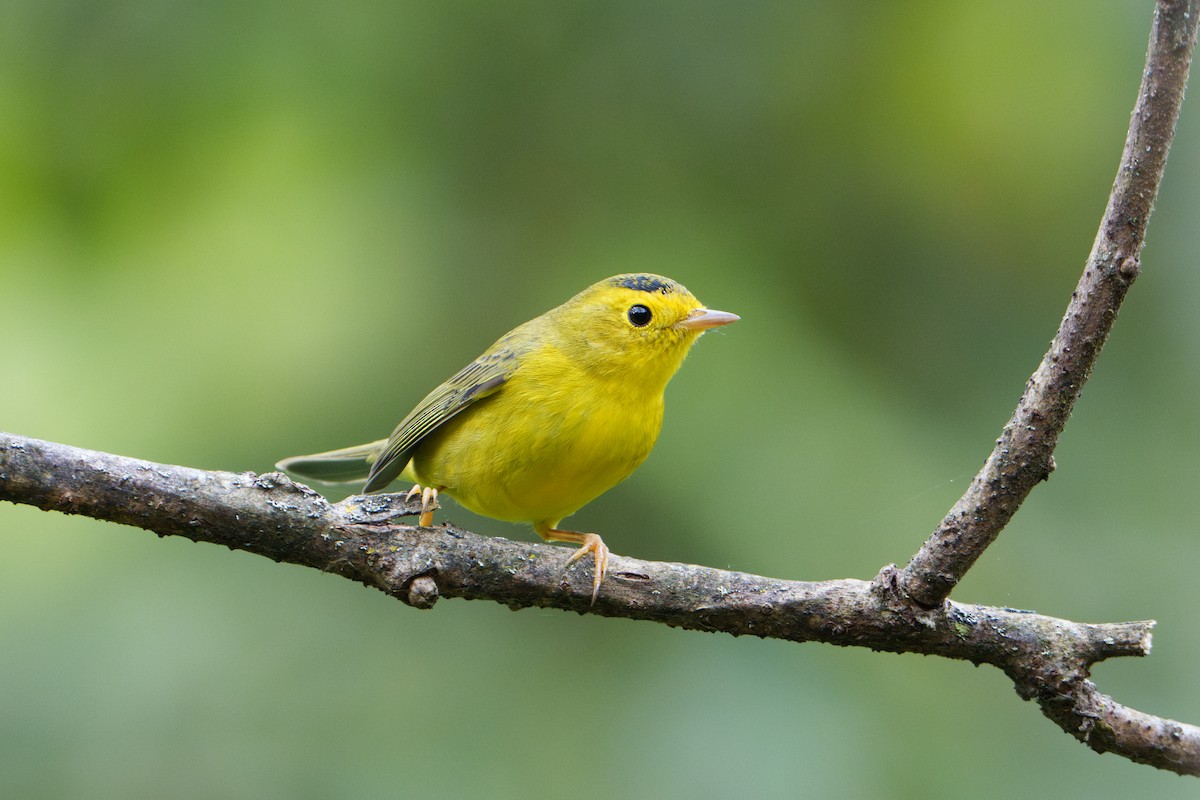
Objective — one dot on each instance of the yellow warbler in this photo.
(551, 416)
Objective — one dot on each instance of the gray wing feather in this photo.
(477, 380)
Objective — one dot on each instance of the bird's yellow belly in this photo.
(541, 457)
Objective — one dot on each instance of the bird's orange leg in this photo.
(589, 543)
(428, 503)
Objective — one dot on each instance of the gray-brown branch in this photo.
(1049, 660)
(1024, 453)
(361, 538)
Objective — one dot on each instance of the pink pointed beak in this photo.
(704, 318)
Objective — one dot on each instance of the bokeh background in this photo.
(233, 232)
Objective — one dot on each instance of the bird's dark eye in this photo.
(640, 316)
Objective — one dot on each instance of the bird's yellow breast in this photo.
(549, 441)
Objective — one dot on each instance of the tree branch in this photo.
(1024, 453)
(1047, 659)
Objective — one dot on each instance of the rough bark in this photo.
(362, 539)
(1049, 660)
(1024, 452)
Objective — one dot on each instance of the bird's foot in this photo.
(589, 543)
(428, 503)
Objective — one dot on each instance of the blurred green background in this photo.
(233, 232)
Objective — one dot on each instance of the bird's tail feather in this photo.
(347, 465)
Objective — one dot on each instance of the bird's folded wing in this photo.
(477, 380)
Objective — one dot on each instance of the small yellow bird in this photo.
(551, 416)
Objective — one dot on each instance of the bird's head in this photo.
(638, 324)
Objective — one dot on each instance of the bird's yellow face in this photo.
(638, 325)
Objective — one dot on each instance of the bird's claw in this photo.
(592, 543)
(428, 503)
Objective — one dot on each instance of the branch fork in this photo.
(905, 609)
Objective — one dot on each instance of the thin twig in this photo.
(1048, 660)
(1024, 453)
